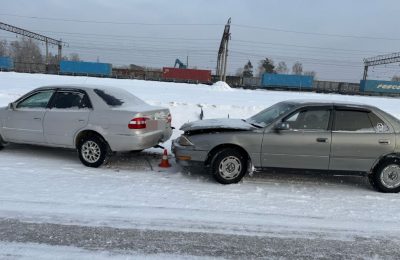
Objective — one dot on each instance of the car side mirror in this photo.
(281, 126)
(11, 106)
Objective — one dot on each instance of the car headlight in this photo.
(184, 141)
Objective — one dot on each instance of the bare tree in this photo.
(310, 73)
(3, 48)
(74, 57)
(27, 56)
(297, 68)
(282, 68)
(396, 78)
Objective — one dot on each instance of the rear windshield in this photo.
(118, 97)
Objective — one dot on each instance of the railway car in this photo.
(85, 68)
(285, 81)
(6, 63)
(380, 87)
(186, 75)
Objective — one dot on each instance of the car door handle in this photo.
(384, 141)
(81, 120)
(322, 140)
(37, 118)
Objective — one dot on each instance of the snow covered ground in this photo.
(47, 185)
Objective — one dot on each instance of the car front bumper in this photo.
(187, 155)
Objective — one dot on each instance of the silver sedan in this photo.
(330, 136)
(96, 120)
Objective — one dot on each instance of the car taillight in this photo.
(169, 118)
(138, 123)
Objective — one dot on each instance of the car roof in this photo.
(76, 86)
(327, 102)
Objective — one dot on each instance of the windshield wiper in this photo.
(253, 124)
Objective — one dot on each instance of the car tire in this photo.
(2, 143)
(228, 166)
(93, 151)
(386, 177)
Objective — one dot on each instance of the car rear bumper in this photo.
(121, 143)
(187, 156)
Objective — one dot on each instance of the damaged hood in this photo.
(217, 124)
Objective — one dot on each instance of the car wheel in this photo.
(93, 151)
(228, 166)
(386, 177)
(2, 143)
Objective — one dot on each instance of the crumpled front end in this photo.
(186, 153)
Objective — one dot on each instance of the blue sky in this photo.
(329, 37)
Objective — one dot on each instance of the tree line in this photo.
(27, 55)
(267, 66)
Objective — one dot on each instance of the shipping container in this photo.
(300, 82)
(6, 63)
(187, 75)
(85, 68)
(379, 86)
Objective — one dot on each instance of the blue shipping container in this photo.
(89, 68)
(287, 81)
(6, 63)
(379, 86)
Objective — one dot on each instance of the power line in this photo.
(315, 33)
(110, 22)
(203, 24)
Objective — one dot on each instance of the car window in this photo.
(70, 100)
(379, 125)
(268, 115)
(317, 119)
(37, 100)
(357, 121)
(118, 97)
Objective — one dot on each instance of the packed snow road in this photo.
(48, 197)
(268, 214)
(169, 244)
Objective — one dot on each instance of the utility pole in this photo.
(222, 59)
(380, 60)
(36, 36)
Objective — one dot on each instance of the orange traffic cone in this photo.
(164, 161)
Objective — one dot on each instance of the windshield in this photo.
(268, 115)
(118, 97)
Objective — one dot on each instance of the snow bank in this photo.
(221, 85)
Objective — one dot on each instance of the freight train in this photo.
(268, 81)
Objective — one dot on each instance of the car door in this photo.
(305, 144)
(25, 122)
(68, 113)
(359, 138)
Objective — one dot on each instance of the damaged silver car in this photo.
(312, 135)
